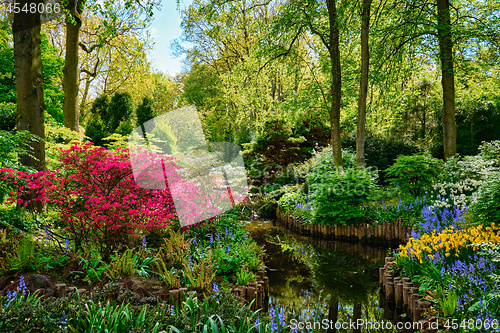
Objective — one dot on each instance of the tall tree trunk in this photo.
(84, 97)
(363, 84)
(70, 71)
(29, 90)
(447, 78)
(336, 86)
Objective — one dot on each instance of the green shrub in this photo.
(7, 116)
(487, 207)
(291, 200)
(17, 220)
(119, 109)
(337, 197)
(415, 173)
(96, 130)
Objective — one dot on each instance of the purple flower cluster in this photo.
(277, 318)
(436, 219)
(22, 285)
(66, 245)
(11, 295)
(229, 233)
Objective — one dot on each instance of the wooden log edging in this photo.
(396, 231)
(257, 291)
(405, 296)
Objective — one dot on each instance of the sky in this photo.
(164, 29)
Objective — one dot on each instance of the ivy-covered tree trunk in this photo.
(336, 86)
(29, 90)
(70, 71)
(447, 78)
(363, 84)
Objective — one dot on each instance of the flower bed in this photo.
(456, 268)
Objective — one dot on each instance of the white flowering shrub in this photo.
(461, 194)
(458, 168)
(491, 151)
(461, 180)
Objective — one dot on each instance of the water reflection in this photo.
(319, 283)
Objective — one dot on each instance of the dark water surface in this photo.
(325, 282)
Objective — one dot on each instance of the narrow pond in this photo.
(325, 282)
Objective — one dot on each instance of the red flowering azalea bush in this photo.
(96, 196)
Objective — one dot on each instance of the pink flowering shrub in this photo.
(96, 196)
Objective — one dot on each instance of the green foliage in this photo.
(7, 78)
(175, 251)
(115, 140)
(13, 144)
(18, 220)
(163, 137)
(338, 196)
(96, 130)
(145, 111)
(98, 317)
(108, 117)
(58, 137)
(53, 93)
(490, 151)
(203, 88)
(487, 207)
(477, 120)
(381, 152)
(322, 162)
(215, 313)
(244, 277)
(447, 301)
(92, 270)
(25, 254)
(315, 132)
(228, 259)
(125, 127)
(172, 277)
(409, 210)
(100, 108)
(295, 203)
(52, 67)
(276, 147)
(7, 116)
(268, 202)
(415, 173)
(200, 274)
(123, 265)
(119, 109)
